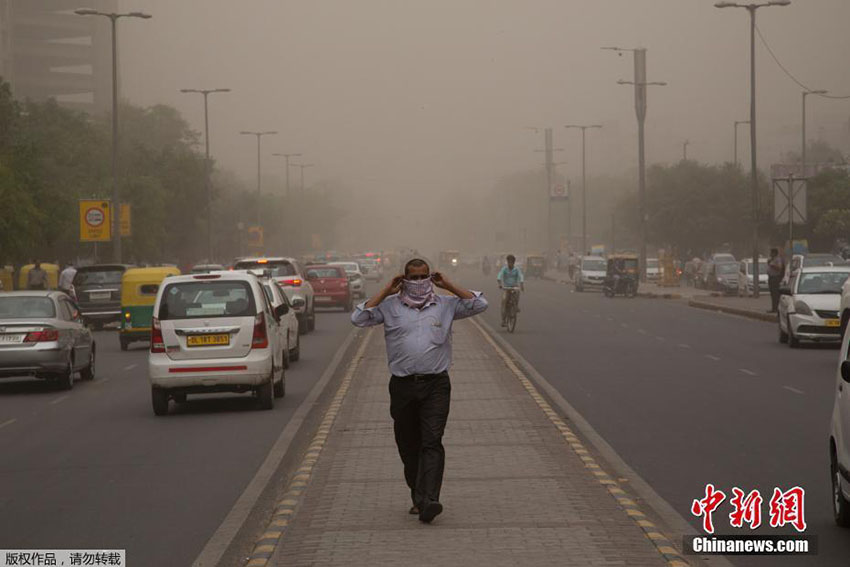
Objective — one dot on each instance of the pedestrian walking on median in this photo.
(775, 273)
(418, 332)
(37, 277)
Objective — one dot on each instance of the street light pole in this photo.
(803, 153)
(640, 83)
(286, 157)
(751, 8)
(685, 145)
(207, 164)
(583, 182)
(737, 123)
(116, 205)
(259, 136)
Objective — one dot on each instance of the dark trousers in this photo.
(419, 408)
(773, 285)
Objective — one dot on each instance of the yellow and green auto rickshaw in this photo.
(7, 278)
(535, 265)
(138, 294)
(52, 271)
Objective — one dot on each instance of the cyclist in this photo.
(510, 276)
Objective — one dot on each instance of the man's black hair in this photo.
(415, 263)
(511, 258)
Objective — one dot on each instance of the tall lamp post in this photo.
(116, 205)
(737, 123)
(640, 83)
(286, 157)
(803, 154)
(259, 136)
(583, 129)
(751, 8)
(207, 166)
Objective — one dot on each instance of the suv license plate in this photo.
(207, 340)
(833, 323)
(100, 295)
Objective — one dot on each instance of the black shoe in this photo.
(413, 509)
(429, 511)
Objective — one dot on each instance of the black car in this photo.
(98, 290)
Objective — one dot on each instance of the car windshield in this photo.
(26, 308)
(328, 272)
(815, 261)
(350, 268)
(279, 268)
(652, 263)
(596, 265)
(821, 282)
(96, 277)
(727, 269)
(189, 300)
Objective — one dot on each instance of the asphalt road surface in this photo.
(688, 397)
(94, 468)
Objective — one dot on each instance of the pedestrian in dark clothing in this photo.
(418, 328)
(775, 273)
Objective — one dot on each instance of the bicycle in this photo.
(511, 307)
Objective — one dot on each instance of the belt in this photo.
(422, 377)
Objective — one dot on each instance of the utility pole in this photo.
(737, 123)
(583, 183)
(259, 136)
(640, 83)
(286, 157)
(751, 8)
(115, 211)
(207, 163)
(803, 149)
(548, 151)
(685, 145)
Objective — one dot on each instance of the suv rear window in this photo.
(279, 268)
(94, 277)
(192, 300)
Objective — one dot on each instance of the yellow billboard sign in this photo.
(124, 220)
(255, 236)
(95, 220)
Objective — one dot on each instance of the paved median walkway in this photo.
(517, 491)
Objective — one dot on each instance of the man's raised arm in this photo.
(367, 314)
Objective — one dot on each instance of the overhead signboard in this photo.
(789, 200)
(255, 236)
(95, 220)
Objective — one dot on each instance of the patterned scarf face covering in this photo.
(417, 293)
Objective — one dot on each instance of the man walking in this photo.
(66, 280)
(418, 332)
(37, 277)
(775, 273)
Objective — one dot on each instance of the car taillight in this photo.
(260, 338)
(157, 342)
(43, 336)
(295, 283)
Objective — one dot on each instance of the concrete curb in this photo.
(648, 295)
(749, 313)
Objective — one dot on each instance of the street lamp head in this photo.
(221, 90)
(818, 92)
(779, 3)
(139, 15)
(86, 12)
(622, 82)
(189, 90)
(726, 5)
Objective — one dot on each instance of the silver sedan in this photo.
(42, 334)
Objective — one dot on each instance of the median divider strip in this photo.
(732, 310)
(661, 542)
(286, 507)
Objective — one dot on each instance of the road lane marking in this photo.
(793, 389)
(683, 345)
(624, 325)
(712, 357)
(58, 400)
(7, 422)
(747, 372)
(660, 339)
(642, 331)
(130, 366)
(662, 544)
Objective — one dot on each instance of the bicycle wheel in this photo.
(511, 317)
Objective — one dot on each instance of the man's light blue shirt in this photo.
(419, 341)
(509, 277)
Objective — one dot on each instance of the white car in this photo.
(653, 269)
(591, 273)
(839, 440)
(371, 269)
(215, 333)
(808, 308)
(288, 273)
(745, 276)
(288, 322)
(356, 281)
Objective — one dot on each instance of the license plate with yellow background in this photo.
(833, 323)
(207, 340)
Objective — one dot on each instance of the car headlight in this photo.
(802, 308)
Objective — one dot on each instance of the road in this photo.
(94, 468)
(688, 397)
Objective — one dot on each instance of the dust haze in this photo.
(415, 112)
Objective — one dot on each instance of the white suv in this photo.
(839, 440)
(288, 273)
(215, 332)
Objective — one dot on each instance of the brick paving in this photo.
(514, 492)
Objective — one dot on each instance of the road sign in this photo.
(95, 220)
(255, 236)
(559, 192)
(124, 219)
(789, 200)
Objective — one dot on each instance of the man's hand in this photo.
(440, 280)
(392, 287)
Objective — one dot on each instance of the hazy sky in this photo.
(401, 95)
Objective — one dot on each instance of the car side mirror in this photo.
(281, 310)
(299, 302)
(845, 370)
